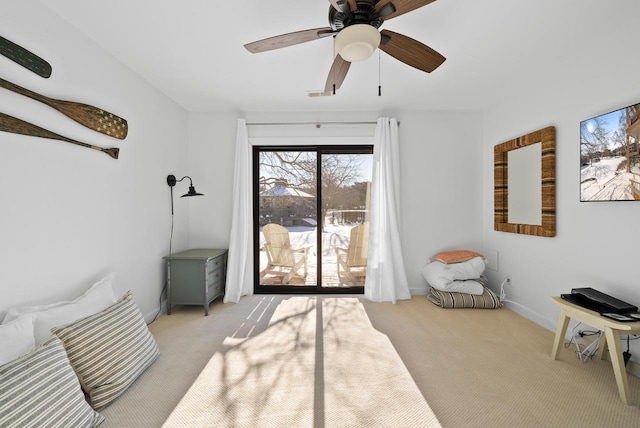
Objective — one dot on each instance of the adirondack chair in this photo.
(282, 259)
(352, 261)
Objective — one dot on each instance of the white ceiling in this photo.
(192, 50)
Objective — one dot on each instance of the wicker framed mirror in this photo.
(546, 226)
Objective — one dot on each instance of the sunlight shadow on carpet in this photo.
(317, 362)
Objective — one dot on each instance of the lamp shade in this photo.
(192, 192)
(357, 42)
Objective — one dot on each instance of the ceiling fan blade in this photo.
(401, 7)
(289, 39)
(337, 74)
(340, 5)
(410, 51)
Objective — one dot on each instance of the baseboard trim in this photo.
(157, 311)
(418, 291)
(529, 314)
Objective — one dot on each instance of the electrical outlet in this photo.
(508, 280)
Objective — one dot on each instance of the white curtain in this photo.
(240, 261)
(386, 278)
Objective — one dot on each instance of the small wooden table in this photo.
(612, 330)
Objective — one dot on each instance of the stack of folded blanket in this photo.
(456, 281)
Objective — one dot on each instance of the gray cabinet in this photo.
(195, 277)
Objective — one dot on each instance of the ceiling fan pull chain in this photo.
(379, 75)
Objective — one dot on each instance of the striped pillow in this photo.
(40, 389)
(109, 350)
(451, 300)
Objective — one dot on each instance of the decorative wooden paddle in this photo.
(25, 58)
(19, 126)
(89, 116)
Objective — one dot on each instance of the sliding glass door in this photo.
(311, 213)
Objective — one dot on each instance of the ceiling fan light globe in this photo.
(357, 42)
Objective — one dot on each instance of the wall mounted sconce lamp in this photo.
(171, 181)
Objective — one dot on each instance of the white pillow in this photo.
(16, 338)
(97, 298)
(455, 276)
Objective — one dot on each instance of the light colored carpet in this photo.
(319, 363)
(474, 368)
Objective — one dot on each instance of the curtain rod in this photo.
(316, 124)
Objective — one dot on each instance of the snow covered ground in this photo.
(603, 181)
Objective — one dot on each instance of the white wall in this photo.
(596, 243)
(212, 140)
(441, 195)
(439, 152)
(69, 215)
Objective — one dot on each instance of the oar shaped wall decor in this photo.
(92, 117)
(25, 58)
(19, 126)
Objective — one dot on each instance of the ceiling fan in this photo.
(354, 25)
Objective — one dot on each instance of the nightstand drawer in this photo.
(215, 264)
(214, 275)
(216, 289)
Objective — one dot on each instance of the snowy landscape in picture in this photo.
(604, 181)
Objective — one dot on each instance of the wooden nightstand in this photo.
(195, 277)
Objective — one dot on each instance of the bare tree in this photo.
(299, 171)
(338, 172)
(594, 138)
(296, 169)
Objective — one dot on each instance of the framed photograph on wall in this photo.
(609, 156)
